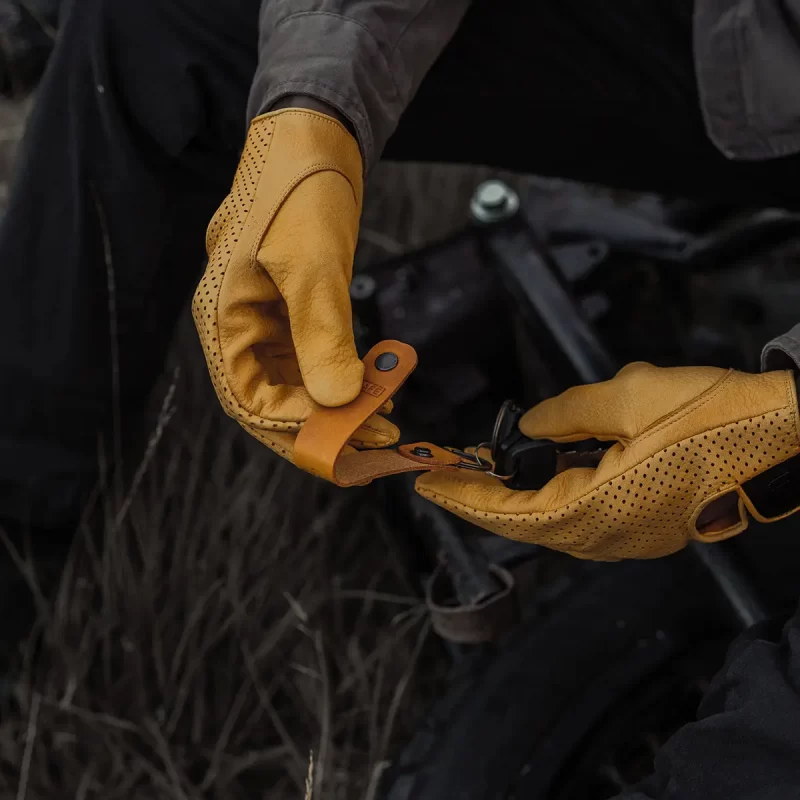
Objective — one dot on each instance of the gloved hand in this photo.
(273, 308)
(685, 439)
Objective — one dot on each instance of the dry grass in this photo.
(235, 617)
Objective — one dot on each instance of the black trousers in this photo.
(135, 138)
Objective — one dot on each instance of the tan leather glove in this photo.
(273, 308)
(685, 437)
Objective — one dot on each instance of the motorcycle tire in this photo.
(518, 717)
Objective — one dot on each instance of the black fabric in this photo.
(599, 92)
(139, 122)
(745, 744)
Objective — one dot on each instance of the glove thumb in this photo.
(308, 252)
(619, 409)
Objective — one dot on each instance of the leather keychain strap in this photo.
(322, 439)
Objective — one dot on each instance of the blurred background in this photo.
(243, 630)
(255, 613)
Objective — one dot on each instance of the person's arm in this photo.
(746, 742)
(364, 60)
(332, 80)
(313, 104)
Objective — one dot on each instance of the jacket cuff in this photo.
(783, 352)
(345, 69)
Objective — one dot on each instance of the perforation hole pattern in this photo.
(223, 235)
(646, 512)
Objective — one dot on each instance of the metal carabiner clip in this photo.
(519, 462)
(523, 463)
(471, 461)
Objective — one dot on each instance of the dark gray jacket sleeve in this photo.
(783, 352)
(366, 58)
(746, 52)
(745, 744)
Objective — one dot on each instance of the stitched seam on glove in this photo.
(229, 401)
(649, 455)
(261, 436)
(683, 411)
(706, 397)
(300, 112)
(313, 169)
(791, 400)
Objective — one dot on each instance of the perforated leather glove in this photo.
(684, 438)
(273, 308)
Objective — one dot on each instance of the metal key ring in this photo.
(477, 463)
(471, 461)
(491, 471)
(498, 423)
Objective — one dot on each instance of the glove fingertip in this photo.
(375, 433)
(456, 487)
(423, 488)
(538, 422)
(423, 482)
(336, 386)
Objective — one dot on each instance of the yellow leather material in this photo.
(326, 432)
(320, 447)
(273, 308)
(684, 436)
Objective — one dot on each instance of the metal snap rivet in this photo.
(422, 452)
(386, 362)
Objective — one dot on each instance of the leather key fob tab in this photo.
(321, 447)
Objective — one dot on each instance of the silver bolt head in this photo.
(494, 201)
